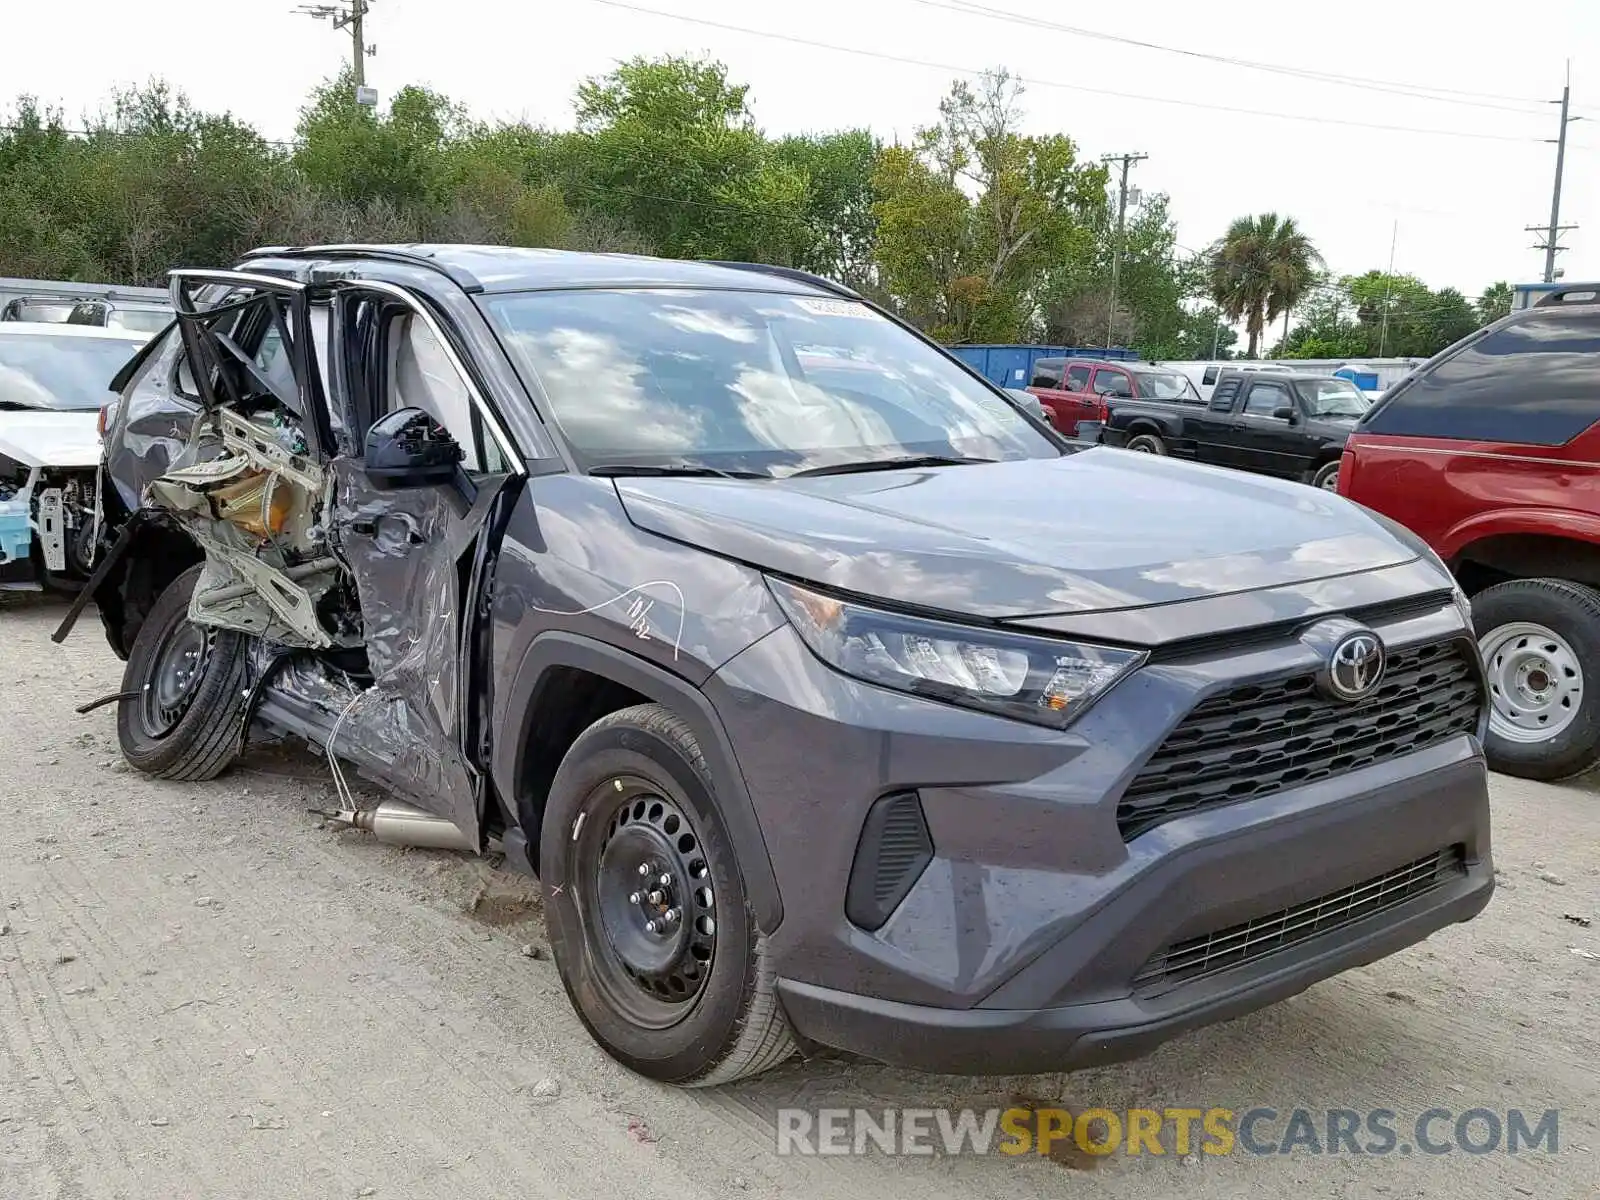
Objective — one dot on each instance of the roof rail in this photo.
(793, 273)
(395, 254)
(1581, 293)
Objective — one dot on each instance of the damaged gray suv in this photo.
(834, 700)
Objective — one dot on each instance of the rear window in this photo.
(1535, 382)
(1165, 385)
(1046, 373)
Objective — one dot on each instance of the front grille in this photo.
(1264, 737)
(1212, 952)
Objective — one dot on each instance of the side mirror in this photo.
(1286, 414)
(408, 448)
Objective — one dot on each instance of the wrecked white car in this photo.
(53, 386)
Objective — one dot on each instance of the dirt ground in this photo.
(204, 993)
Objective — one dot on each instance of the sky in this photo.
(1436, 136)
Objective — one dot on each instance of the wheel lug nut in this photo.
(649, 926)
(644, 869)
(665, 879)
(634, 898)
(670, 915)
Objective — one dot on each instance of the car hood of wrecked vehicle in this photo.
(1092, 531)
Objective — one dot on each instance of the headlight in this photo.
(1042, 680)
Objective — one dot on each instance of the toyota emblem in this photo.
(1355, 666)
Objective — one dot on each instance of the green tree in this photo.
(351, 153)
(968, 267)
(1495, 302)
(841, 229)
(1259, 269)
(669, 147)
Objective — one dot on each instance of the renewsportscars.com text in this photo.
(1161, 1131)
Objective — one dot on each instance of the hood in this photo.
(1090, 532)
(50, 439)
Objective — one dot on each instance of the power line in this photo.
(1051, 83)
(1415, 91)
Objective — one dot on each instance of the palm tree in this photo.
(1261, 268)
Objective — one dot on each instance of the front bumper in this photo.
(1006, 1040)
(1025, 942)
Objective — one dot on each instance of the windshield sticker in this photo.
(832, 308)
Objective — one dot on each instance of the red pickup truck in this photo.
(1490, 452)
(1078, 389)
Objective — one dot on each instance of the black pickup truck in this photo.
(1292, 426)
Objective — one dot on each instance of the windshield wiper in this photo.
(614, 470)
(891, 464)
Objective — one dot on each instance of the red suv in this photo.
(1490, 451)
(1077, 389)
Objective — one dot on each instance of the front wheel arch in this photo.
(515, 747)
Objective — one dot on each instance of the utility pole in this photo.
(347, 16)
(1127, 160)
(1388, 287)
(1552, 233)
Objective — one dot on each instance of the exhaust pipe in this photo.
(397, 824)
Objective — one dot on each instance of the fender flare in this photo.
(1541, 522)
(561, 649)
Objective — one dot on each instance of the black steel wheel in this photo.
(177, 666)
(651, 890)
(646, 908)
(186, 684)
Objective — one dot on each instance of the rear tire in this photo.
(1147, 443)
(184, 722)
(693, 1002)
(1326, 476)
(1540, 640)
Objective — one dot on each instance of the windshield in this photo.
(1333, 398)
(60, 373)
(43, 311)
(1165, 386)
(749, 381)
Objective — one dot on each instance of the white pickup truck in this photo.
(54, 380)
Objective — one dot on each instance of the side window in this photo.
(1535, 382)
(1210, 376)
(422, 376)
(1227, 392)
(1078, 379)
(1266, 398)
(1110, 382)
(1046, 374)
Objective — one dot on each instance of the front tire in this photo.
(184, 720)
(648, 919)
(1540, 640)
(1147, 443)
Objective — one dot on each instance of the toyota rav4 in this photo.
(720, 600)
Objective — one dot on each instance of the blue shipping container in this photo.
(1012, 366)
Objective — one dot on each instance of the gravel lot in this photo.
(205, 994)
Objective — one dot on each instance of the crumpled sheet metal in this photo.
(412, 630)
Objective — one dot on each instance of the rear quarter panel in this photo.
(1452, 493)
